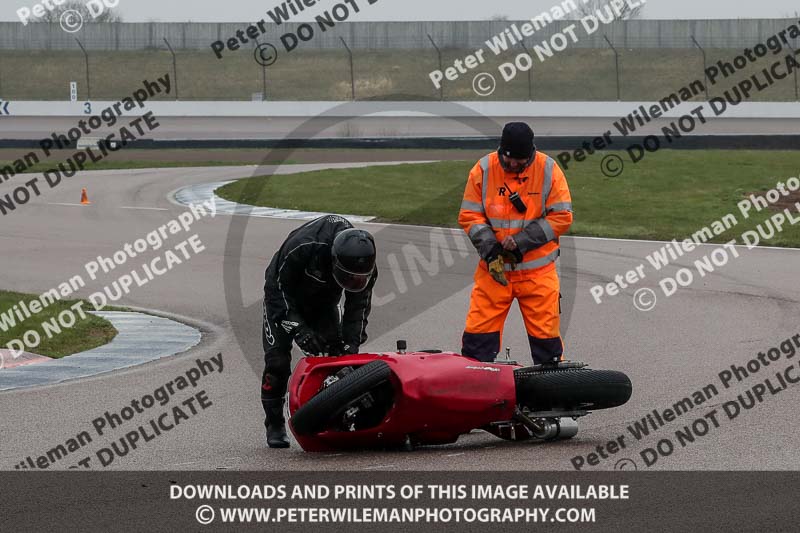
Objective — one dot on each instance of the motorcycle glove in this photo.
(307, 340)
(341, 348)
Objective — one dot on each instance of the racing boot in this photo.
(275, 423)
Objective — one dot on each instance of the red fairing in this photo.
(437, 398)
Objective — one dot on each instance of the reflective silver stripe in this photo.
(472, 206)
(547, 228)
(485, 169)
(477, 228)
(563, 206)
(548, 182)
(538, 263)
(499, 223)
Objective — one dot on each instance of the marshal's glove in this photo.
(496, 265)
(513, 256)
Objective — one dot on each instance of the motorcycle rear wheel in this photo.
(572, 389)
(313, 416)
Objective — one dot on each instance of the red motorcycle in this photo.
(430, 397)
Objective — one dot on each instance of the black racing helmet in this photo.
(353, 259)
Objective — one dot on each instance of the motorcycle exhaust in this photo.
(548, 428)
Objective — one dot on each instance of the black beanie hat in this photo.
(517, 141)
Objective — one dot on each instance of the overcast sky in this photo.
(249, 10)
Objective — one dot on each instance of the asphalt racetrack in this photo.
(259, 128)
(670, 352)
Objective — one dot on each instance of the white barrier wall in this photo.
(755, 110)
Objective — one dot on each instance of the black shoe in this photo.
(275, 423)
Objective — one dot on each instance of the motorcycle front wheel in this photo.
(316, 414)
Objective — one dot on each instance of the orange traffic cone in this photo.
(85, 197)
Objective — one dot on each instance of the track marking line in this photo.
(146, 208)
(379, 466)
(69, 205)
(578, 237)
(455, 454)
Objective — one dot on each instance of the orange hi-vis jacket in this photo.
(488, 216)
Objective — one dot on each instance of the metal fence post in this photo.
(705, 63)
(352, 70)
(174, 67)
(88, 78)
(441, 68)
(263, 75)
(616, 60)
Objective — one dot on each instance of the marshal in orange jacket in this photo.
(488, 216)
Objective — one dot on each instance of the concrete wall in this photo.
(557, 110)
(403, 35)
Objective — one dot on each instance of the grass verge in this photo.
(670, 195)
(87, 333)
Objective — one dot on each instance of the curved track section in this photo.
(670, 352)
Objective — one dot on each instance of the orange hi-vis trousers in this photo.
(538, 299)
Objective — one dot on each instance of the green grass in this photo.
(572, 75)
(87, 333)
(670, 195)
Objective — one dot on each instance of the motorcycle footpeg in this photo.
(513, 431)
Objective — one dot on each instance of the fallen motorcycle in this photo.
(408, 399)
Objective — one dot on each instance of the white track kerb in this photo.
(141, 339)
(196, 194)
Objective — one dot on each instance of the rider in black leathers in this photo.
(304, 284)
